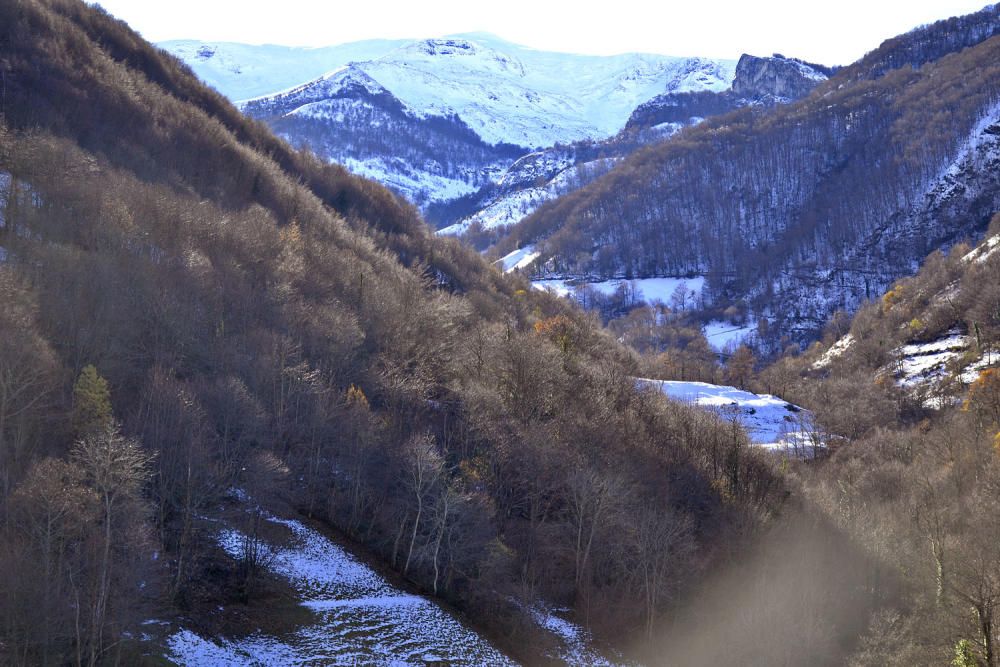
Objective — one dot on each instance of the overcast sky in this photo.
(830, 32)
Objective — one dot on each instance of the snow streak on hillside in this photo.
(359, 617)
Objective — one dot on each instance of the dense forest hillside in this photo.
(805, 208)
(195, 312)
(483, 216)
(912, 386)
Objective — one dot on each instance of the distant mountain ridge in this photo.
(437, 119)
(245, 71)
(506, 92)
(810, 207)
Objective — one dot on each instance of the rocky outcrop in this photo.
(777, 77)
(758, 82)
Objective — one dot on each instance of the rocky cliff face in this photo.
(759, 81)
(776, 77)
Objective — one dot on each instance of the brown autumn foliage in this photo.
(914, 479)
(265, 321)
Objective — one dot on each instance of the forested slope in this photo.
(191, 306)
(808, 207)
(913, 387)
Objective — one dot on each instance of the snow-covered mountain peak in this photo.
(506, 93)
(245, 71)
(447, 53)
(344, 78)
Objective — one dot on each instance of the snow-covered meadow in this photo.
(769, 421)
(650, 290)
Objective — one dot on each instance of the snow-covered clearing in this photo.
(418, 183)
(518, 259)
(511, 207)
(769, 421)
(359, 617)
(508, 210)
(650, 290)
(726, 336)
(920, 363)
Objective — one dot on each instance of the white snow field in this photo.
(360, 618)
(505, 92)
(244, 71)
(769, 421)
(650, 290)
(726, 336)
(518, 259)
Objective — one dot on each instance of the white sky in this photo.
(829, 32)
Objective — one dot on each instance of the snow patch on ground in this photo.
(400, 176)
(983, 251)
(650, 290)
(189, 649)
(726, 336)
(770, 422)
(924, 368)
(925, 363)
(360, 618)
(971, 372)
(518, 259)
(521, 201)
(506, 211)
(575, 640)
(835, 351)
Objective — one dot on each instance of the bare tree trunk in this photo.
(985, 617)
(100, 603)
(395, 543)
(442, 524)
(939, 572)
(413, 536)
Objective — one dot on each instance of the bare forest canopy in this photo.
(190, 306)
(809, 207)
(916, 480)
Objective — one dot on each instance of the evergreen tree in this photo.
(91, 402)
